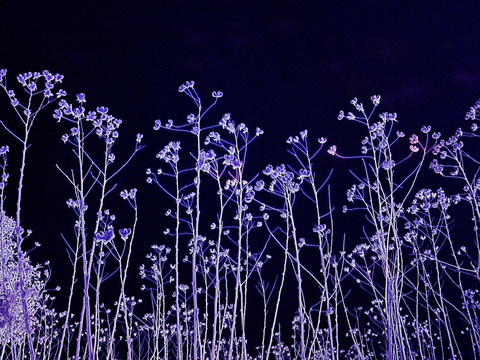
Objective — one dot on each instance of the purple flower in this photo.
(376, 99)
(124, 233)
(91, 116)
(293, 187)
(437, 168)
(259, 185)
(68, 110)
(21, 79)
(217, 94)
(304, 173)
(104, 236)
(61, 93)
(388, 164)
(288, 176)
(48, 76)
(301, 242)
(210, 155)
(319, 228)
(268, 170)
(227, 159)
(79, 111)
(81, 98)
(414, 148)
(426, 129)
(4, 149)
(392, 117)
(124, 194)
(102, 110)
(249, 196)
(236, 163)
(191, 118)
(332, 150)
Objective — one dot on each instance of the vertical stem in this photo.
(177, 264)
(238, 275)
(83, 234)
(301, 301)
(19, 241)
(282, 281)
(196, 324)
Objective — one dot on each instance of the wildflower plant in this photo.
(381, 192)
(287, 182)
(12, 320)
(218, 321)
(250, 265)
(37, 93)
(96, 240)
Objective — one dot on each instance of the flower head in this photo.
(124, 233)
(104, 236)
(4, 149)
(81, 98)
(332, 150)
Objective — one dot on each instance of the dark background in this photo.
(283, 66)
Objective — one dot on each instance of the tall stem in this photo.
(19, 242)
(196, 324)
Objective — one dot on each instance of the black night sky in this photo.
(284, 66)
(288, 65)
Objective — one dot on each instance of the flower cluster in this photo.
(206, 161)
(30, 80)
(170, 153)
(105, 125)
(283, 181)
(12, 321)
(427, 199)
